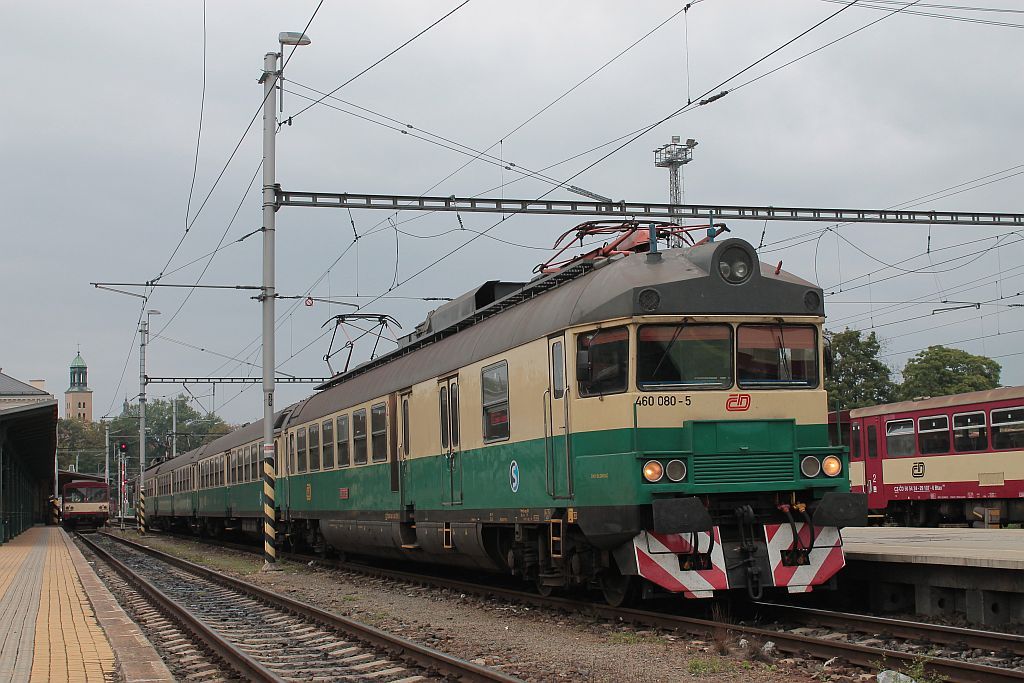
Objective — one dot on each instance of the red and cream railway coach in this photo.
(85, 504)
(952, 459)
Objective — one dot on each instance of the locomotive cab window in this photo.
(1008, 428)
(933, 435)
(602, 361)
(343, 456)
(899, 438)
(684, 357)
(495, 402)
(777, 356)
(359, 436)
(969, 433)
(379, 432)
(855, 451)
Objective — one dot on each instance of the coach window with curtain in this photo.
(495, 402)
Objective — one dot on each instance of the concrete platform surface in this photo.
(58, 622)
(985, 548)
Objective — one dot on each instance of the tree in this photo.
(940, 371)
(859, 378)
(86, 439)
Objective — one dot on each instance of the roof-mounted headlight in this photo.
(734, 265)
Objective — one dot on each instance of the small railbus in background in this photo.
(86, 504)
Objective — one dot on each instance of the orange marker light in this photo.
(653, 471)
(831, 466)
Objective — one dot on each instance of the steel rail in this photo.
(633, 210)
(992, 641)
(422, 656)
(862, 655)
(245, 665)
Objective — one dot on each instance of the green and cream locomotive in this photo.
(632, 420)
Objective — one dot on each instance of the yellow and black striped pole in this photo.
(269, 514)
(54, 510)
(141, 511)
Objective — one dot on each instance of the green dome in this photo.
(78, 362)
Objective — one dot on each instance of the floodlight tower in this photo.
(674, 156)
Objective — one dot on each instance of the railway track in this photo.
(954, 654)
(263, 636)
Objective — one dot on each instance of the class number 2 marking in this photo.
(662, 400)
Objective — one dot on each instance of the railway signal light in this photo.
(122, 446)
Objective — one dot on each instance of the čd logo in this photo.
(737, 403)
(917, 469)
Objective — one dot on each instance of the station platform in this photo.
(992, 548)
(58, 622)
(976, 573)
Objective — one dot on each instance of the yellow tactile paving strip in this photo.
(69, 643)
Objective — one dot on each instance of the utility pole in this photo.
(106, 456)
(143, 339)
(174, 427)
(674, 156)
(269, 79)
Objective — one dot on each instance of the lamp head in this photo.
(293, 38)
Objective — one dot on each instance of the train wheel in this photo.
(545, 590)
(618, 590)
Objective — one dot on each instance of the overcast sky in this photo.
(102, 112)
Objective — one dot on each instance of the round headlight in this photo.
(831, 466)
(653, 471)
(810, 466)
(735, 265)
(676, 470)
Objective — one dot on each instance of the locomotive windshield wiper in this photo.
(668, 350)
(782, 355)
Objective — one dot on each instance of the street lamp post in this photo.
(270, 80)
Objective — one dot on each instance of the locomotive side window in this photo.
(453, 406)
(969, 433)
(328, 431)
(933, 435)
(855, 452)
(379, 432)
(343, 457)
(1008, 428)
(293, 456)
(495, 402)
(444, 417)
(405, 425)
(314, 448)
(777, 355)
(558, 369)
(302, 461)
(359, 436)
(899, 438)
(602, 361)
(684, 357)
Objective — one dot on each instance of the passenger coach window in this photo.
(1008, 428)
(558, 369)
(607, 361)
(855, 452)
(314, 448)
(899, 438)
(777, 356)
(328, 429)
(445, 425)
(969, 432)
(405, 425)
(302, 460)
(359, 436)
(684, 357)
(379, 432)
(495, 402)
(343, 460)
(933, 435)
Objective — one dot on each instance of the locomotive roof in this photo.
(686, 280)
(1000, 394)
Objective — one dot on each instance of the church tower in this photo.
(78, 397)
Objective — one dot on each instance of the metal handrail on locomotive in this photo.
(85, 504)
(634, 420)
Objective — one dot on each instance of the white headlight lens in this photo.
(725, 269)
(810, 466)
(676, 470)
